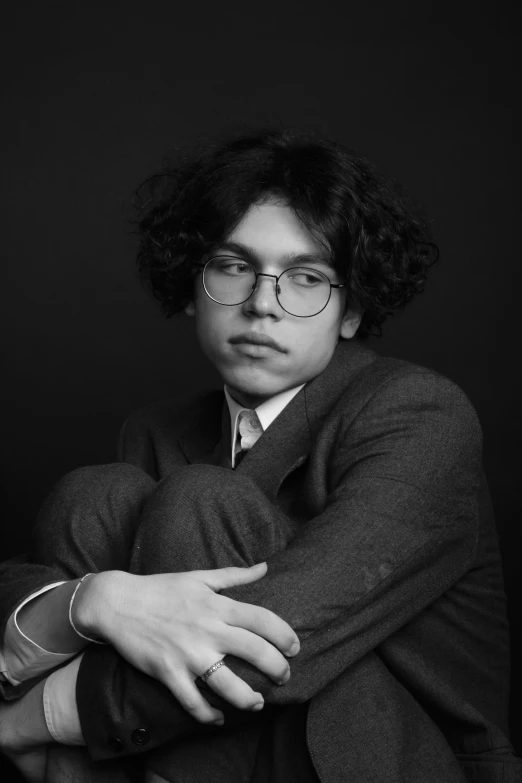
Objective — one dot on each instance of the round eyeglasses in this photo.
(300, 291)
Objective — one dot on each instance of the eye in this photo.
(231, 266)
(306, 278)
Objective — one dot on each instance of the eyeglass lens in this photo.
(301, 291)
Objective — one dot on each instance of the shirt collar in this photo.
(267, 411)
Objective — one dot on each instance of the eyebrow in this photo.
(287, 258)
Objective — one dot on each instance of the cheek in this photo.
(319, 334)
(212, 325)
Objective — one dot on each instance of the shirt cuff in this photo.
(60, 707)
(21, 658)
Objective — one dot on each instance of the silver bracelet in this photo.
(87, 638)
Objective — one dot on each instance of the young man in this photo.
(357, 478)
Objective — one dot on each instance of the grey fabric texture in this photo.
(370, 495)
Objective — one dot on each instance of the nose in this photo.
(263, 300)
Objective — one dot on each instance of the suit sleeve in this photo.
(400, 528)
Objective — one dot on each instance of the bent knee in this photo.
(100, 480)
(203, 481)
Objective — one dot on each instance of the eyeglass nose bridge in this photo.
(263, 274)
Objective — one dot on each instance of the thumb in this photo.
(221, 578)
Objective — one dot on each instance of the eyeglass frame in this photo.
(277, 277)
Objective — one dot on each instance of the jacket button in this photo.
(115, 744)
(140, 736)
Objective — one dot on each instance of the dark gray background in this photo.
(95, 94)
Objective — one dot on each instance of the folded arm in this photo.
(399, 529)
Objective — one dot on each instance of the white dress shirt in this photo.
(21, 658)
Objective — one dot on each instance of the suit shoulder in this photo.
(390, 382)
(420, 378)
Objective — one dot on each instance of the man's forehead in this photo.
(250, 253)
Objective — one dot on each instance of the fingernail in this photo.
(219, 722)
(294, 649)
(284, 678)
(258, 706)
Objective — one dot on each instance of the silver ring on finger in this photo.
(215, 666)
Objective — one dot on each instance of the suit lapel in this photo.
(206, 437)
(220, 452)
(284, 446)
(287, 442)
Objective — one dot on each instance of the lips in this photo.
(254, 338)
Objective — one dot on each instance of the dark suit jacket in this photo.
(393, 581)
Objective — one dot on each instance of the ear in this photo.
(190, 309)
(350, 323)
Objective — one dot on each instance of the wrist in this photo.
(94, 602)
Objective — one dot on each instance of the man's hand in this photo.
(175, 626)
(24, 737)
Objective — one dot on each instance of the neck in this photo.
(246, 400)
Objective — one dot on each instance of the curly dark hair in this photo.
(379, 246)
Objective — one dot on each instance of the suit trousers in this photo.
(199, 517)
